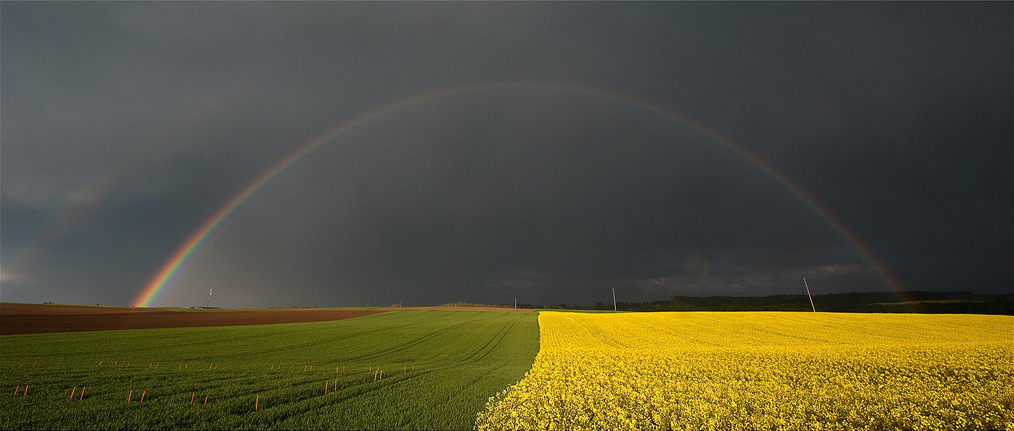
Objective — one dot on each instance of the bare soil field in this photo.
(449, 307)
(40, 319)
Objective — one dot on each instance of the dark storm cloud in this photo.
(896, 117)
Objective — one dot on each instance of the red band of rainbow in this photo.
(165, 275)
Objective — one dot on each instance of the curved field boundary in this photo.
(43, 319)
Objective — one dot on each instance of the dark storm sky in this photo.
(124, 126)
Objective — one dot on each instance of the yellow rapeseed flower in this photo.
(763, 370)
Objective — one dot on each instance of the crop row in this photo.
(270, 376)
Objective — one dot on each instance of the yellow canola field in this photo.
(763, 370)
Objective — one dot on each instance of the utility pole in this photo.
(515, 303)
(808, 295)
(614, 299)
(209, 298)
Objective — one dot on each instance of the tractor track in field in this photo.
(491, 344)
(410, 344)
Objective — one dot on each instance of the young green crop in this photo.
(460, 359)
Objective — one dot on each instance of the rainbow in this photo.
(94, 191)
(165, 275)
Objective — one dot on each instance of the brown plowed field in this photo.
(40, 319)
(452, 308)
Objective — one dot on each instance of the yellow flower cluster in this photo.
(763, 370)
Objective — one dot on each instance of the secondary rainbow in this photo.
(93, 192)
(168, 270)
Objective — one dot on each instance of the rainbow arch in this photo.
(168, 270)
(60, 222)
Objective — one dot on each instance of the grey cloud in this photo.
(895, 117)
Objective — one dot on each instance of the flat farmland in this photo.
(42, 319)
(406, 369)
(764, 370)
(500, 369)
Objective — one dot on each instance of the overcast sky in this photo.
(125, 126)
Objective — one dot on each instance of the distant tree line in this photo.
(854, 302)
(471, 304)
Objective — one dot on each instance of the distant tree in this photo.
(562, 307)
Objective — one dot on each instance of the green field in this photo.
(461, 358)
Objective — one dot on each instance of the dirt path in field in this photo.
(40, 319)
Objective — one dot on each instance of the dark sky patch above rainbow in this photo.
(331, 154)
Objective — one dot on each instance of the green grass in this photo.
(461, 358)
